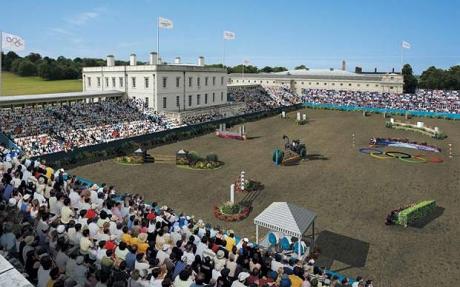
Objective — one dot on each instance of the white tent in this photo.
(288, 219)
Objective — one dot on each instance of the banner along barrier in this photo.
(383, 110)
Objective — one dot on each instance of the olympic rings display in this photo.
(369, 150)
(396, 153)
(402, 156)
(410, 160)
(379, 156)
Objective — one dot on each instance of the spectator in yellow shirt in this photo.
(142, 244)
(230, 241)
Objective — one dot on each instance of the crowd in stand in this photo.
(421, 100)
(59, 231)
(196, 118)
(49, 129)
(262, 98)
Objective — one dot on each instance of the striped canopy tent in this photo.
(288, 219)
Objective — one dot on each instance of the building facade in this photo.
(330, 79)
(162, 87)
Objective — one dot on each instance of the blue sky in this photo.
(319, 34)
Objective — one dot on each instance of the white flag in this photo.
(165, 23)
(229, 35)
(12, 42)
(405, 45)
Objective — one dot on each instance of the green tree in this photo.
(410, 81)
(249, 69)
(266, 69)
(301, 67)
(279, 69)
(33, 57)
(26, 68)
(8, 60)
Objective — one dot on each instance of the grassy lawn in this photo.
(15, 85)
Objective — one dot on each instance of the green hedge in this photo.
(416, 212)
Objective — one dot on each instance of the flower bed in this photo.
(415, 212)
(192, 160)
(411, 213)
(231, 212)
(129, 160)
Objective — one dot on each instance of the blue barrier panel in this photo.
(384, 110)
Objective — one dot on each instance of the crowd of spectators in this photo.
(422, 100)
(48, 129)
(262, 98)
(196, 118)
(59, 231)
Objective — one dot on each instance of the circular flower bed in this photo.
(231, 212)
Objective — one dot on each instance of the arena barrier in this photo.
(94, 153)
(383, 110)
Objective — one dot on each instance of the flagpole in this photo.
(402, 56)
(158, 40)
(223, 56)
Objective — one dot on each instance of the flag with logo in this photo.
(406, 45)
(165, 23)
(12, 42)
(229, 35)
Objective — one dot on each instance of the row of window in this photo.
(190, 100)
(309, 83)
(147, 84)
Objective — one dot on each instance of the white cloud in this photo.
(83, 18)
(61, 31)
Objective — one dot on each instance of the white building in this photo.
(329, 79)
(163, 87)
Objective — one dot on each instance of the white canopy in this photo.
(287, 218)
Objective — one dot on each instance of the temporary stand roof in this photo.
(286, 218)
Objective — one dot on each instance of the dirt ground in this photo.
(350, 192)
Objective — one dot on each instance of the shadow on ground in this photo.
(350, 251)
(316, 157)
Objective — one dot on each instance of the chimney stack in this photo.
(344, 65)
(153, 59)
(201, 61)
(132, 60)
(110, 61)
(177, 60)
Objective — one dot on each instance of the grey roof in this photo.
(287, 218)
(11, 277)
(41, 98)
(333, 74)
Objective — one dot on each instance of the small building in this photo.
(172, 87)
(327, 79)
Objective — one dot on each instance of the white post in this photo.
(158, 40)
(257, 234)
(298, 116)
(304, 117)
(232, 193)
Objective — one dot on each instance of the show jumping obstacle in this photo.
(222, 132)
